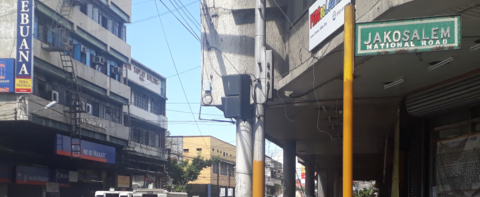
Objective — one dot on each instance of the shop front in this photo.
(444, 143)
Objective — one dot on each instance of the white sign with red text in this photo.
(141, 77)
(325, 17)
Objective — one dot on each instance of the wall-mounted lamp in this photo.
(389, 85)
(476, 46)
(47, 106)
(441, 63)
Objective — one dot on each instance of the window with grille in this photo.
(223, 169)
(157, 107)
(141, 100)
(146, 136)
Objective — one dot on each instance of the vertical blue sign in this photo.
(7, 76)
(24, 65)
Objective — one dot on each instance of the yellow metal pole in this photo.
(348, 101)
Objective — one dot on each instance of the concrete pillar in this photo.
(310, 176)
(321, 181)
(289, 161)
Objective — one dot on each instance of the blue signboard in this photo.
(24, 64)
(90, 150)
(32, 175)
(7, 75)
(62, 177)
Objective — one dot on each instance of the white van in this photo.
(144, 192)
(113, 194)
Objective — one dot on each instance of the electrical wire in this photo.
(318, 105)
(193, 34)
(181, 15)
(188, 12)
(285, 108)
(176, 70)
(187, 15)
(184, 72)
(164, 13)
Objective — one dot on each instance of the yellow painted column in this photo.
(348, 59)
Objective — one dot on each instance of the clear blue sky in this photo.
(145, 36)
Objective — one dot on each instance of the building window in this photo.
(42, 90)
(215, 168)
(155, 107)
(231, 171)
(223, 169)
(199, 149)
(185, 150)
(147, 136)
(213, 149)
(140, 100)
(95, 108)
(103, 21)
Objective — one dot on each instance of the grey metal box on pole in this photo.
(236, 103)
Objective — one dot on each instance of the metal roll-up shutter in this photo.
(460, 93)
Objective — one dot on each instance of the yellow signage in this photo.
(23, 85)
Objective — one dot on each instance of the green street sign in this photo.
(408, 36)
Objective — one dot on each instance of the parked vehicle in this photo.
(113, 194)
(143, 192)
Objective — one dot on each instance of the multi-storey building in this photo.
(217, 180)
(273, 177)
(86, 116)
(416, 104)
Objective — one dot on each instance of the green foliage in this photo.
(364, 192)
(182, 172)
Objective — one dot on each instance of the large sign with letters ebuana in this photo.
(458, 166)
(408, 35)
(89, 150)
(24, 61)
(325, 17)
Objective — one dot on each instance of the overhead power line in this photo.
(176, 70)
(192, 33)
(164, 13)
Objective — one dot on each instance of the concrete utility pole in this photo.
(243, 178)
(260, 100)
(348, 59)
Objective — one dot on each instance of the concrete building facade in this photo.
(218, 180)
(107, 125)
(399, 132)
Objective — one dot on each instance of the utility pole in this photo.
(348, 59)
(260, 100)
(244, 159)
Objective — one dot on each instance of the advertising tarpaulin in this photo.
(32, 175)
(458, 166)
(24, 54)
(123, 181)
(7, 75)
(90, 150)
(325, 17)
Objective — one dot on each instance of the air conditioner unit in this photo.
(55, 96)
(98, 60)
(88, 108)
(83, 49)
(117, 70)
